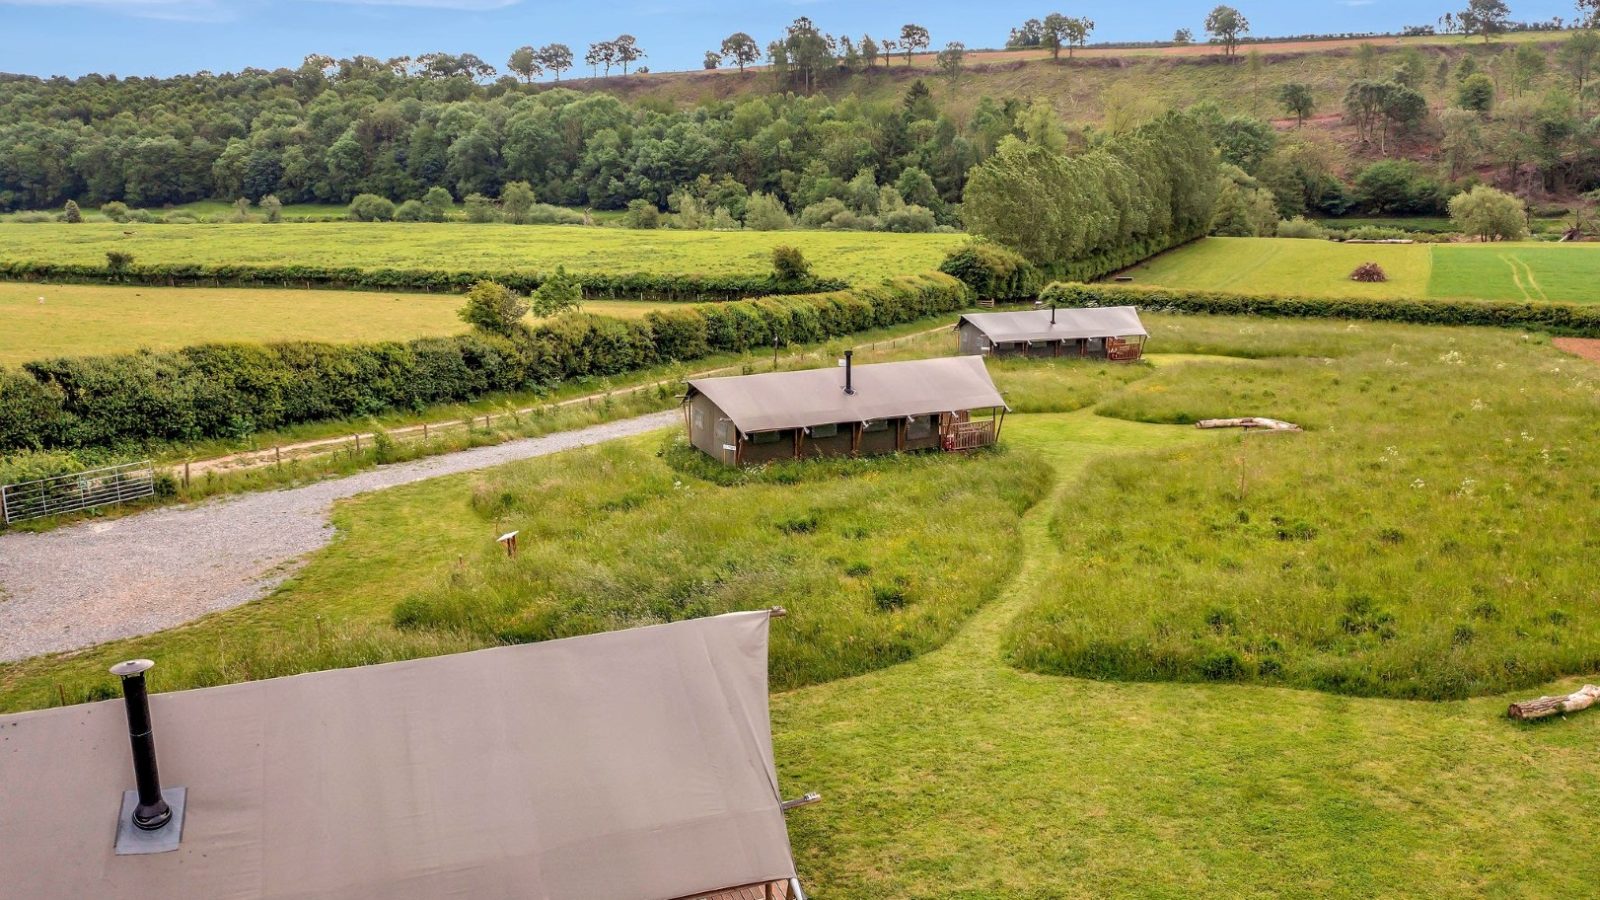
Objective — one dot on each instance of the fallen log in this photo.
(1583, 698)
(1251, 422)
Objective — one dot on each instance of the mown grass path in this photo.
(955, 775)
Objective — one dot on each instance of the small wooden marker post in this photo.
(509, 541)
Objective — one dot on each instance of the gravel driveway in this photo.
(85, 584)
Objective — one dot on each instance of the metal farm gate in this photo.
(76, 492)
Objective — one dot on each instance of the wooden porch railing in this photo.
(969, 435)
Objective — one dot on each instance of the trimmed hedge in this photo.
(232, 390)
(1558, 318)
(637, 286)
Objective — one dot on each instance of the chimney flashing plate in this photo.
(135, 841)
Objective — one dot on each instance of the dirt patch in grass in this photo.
(1588, 348)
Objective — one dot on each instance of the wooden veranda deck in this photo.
(777, 890)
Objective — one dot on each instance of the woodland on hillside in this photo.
(823, 134)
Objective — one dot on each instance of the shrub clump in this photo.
(992, 271)
(789, 264)
(371, 208)
(1301, 227)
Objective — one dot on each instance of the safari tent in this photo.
(1111, 333)
(927, 404)
(635, 765)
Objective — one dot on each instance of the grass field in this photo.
(78, 320)
(855, 256)
(1519, 271)
(1533, 272)
(955, 775)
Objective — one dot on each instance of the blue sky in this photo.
(163, 37)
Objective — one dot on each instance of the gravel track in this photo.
(97, 581)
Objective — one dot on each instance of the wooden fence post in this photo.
(185, 473)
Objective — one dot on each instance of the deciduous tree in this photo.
(1078, 30)
(494, 308)
(1485, 18)
(627, 51)
(950, 59)
(1579, 56)
(1489, 215)
(1298, 101)
(740, 49)
(869, 50)
(555, 58)
(913, 38)
(558, 294)
(1226, 26)
(524, 62)
(1589, 10)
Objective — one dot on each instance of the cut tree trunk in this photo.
(1250, 422)
(1583, 698)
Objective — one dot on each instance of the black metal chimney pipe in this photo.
(1052, 314)
(152, 811)
(849, 384)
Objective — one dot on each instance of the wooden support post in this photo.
(185, 473)
(358, 442)
(509, 541)
(277, 455)
(424, 431)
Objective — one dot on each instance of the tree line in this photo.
(326, 132)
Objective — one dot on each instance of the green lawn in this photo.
(857, 256)
(1520, 272)
(1288, 266)
(77, 320)
(1529, 271)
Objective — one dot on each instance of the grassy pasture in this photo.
(79, 320)
(1428, 537)
(876, 560)
(857, 256)
(1564, 273)
(957, 775)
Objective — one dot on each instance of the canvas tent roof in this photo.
(1070, 325)
(882, 391)
(636, 764)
